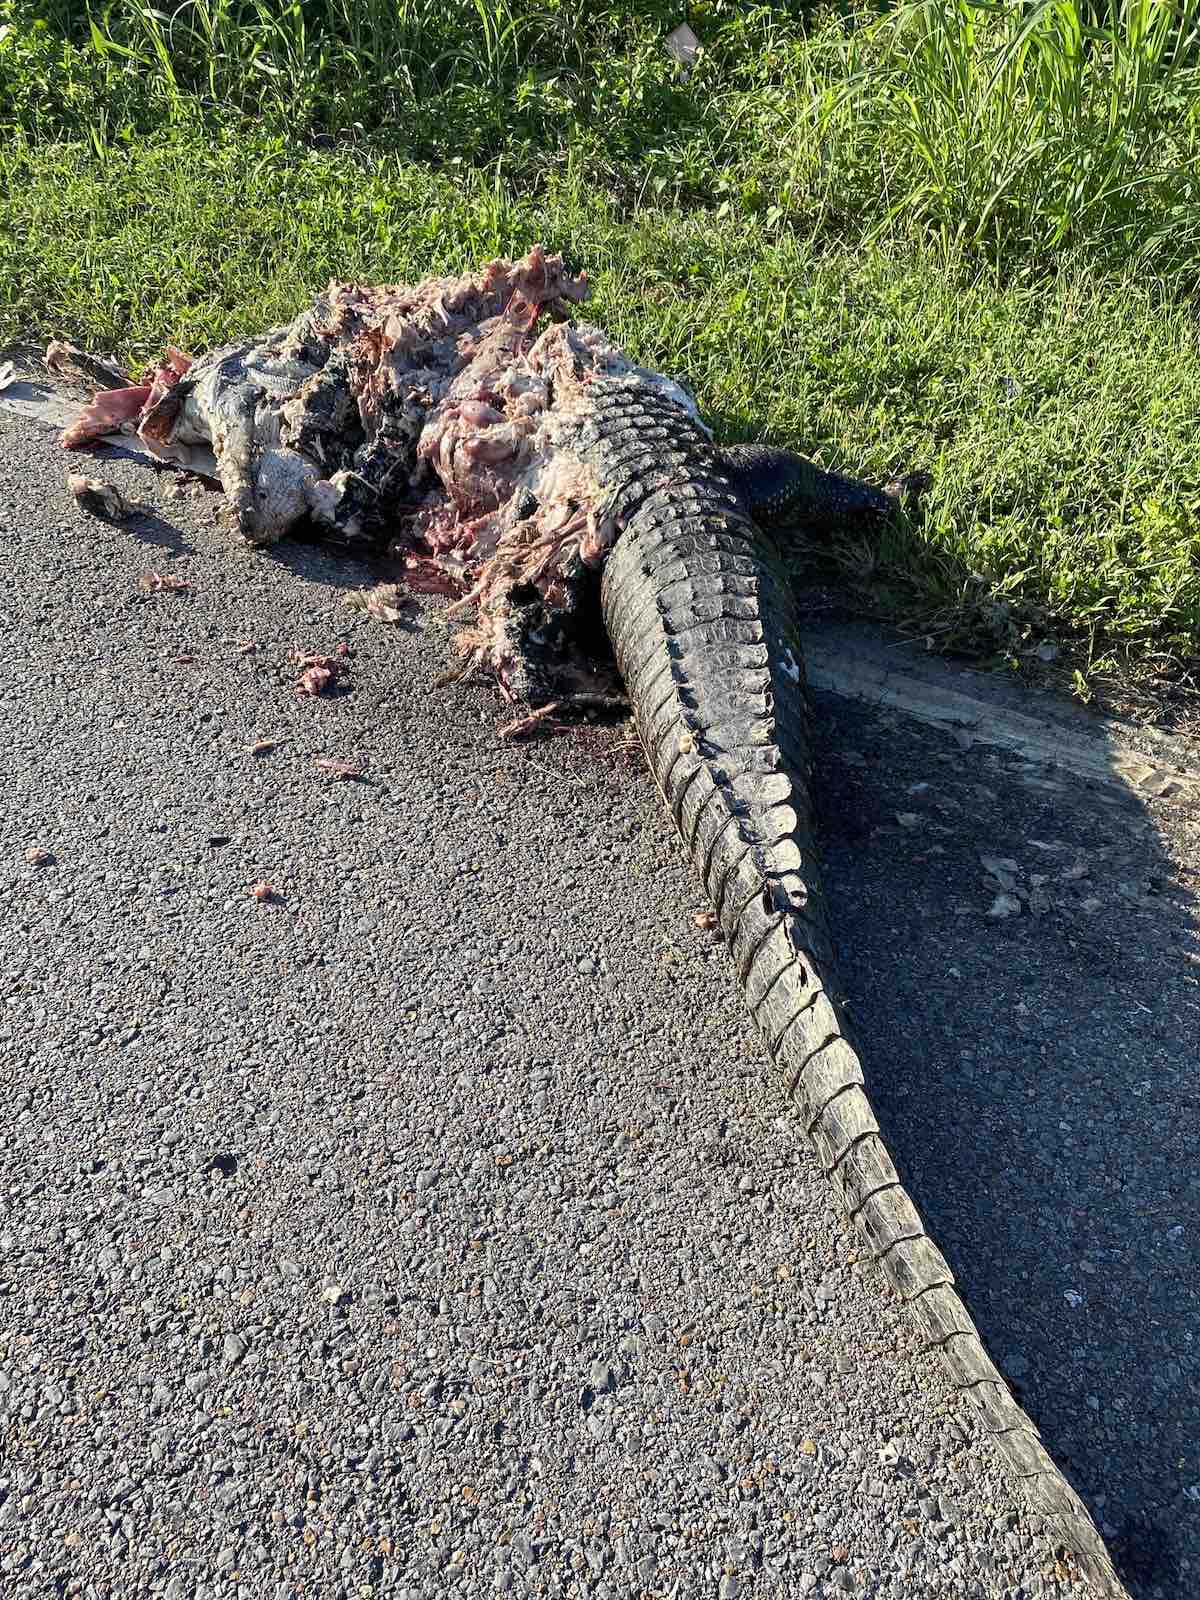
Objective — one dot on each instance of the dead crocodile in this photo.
(522, 471)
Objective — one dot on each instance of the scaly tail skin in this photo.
(704, 629)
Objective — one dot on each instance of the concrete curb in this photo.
(852, 661)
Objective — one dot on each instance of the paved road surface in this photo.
(435, 1227)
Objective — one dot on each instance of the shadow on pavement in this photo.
(1035, 1074)
(148, 528)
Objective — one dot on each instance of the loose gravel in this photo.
(431, 1225)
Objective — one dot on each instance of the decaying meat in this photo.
(109, 412)
(319, 674)
(344, 771)
(163, 583)
(436, 421)
(385, 602)
(118, 410)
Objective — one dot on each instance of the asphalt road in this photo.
(435, 1227)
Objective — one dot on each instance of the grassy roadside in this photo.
(1052, 393)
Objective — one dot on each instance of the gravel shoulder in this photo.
(434, 1227)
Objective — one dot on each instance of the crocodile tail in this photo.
(705, 635)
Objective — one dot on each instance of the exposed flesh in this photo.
(435, 420)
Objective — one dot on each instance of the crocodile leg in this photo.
(778, 486)
(705, 635)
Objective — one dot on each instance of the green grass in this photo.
(954, 237)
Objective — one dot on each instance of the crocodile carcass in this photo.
(520, 462)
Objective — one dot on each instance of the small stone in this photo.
(1004, 905)
(600, 1425)
(602, 1377)
(235, 1348)
(999, 866)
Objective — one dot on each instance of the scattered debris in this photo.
(8, 375)
(37, 856)
(317, 677)
(246, 647)
(683, 47)
(908, 819)
(318, 674)
(262, 891)
(262, 747)
(705, 920)
(345, 770)
(386, 602)
(163, 583)
(184, 660)
(544, 716)
(99, 499)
